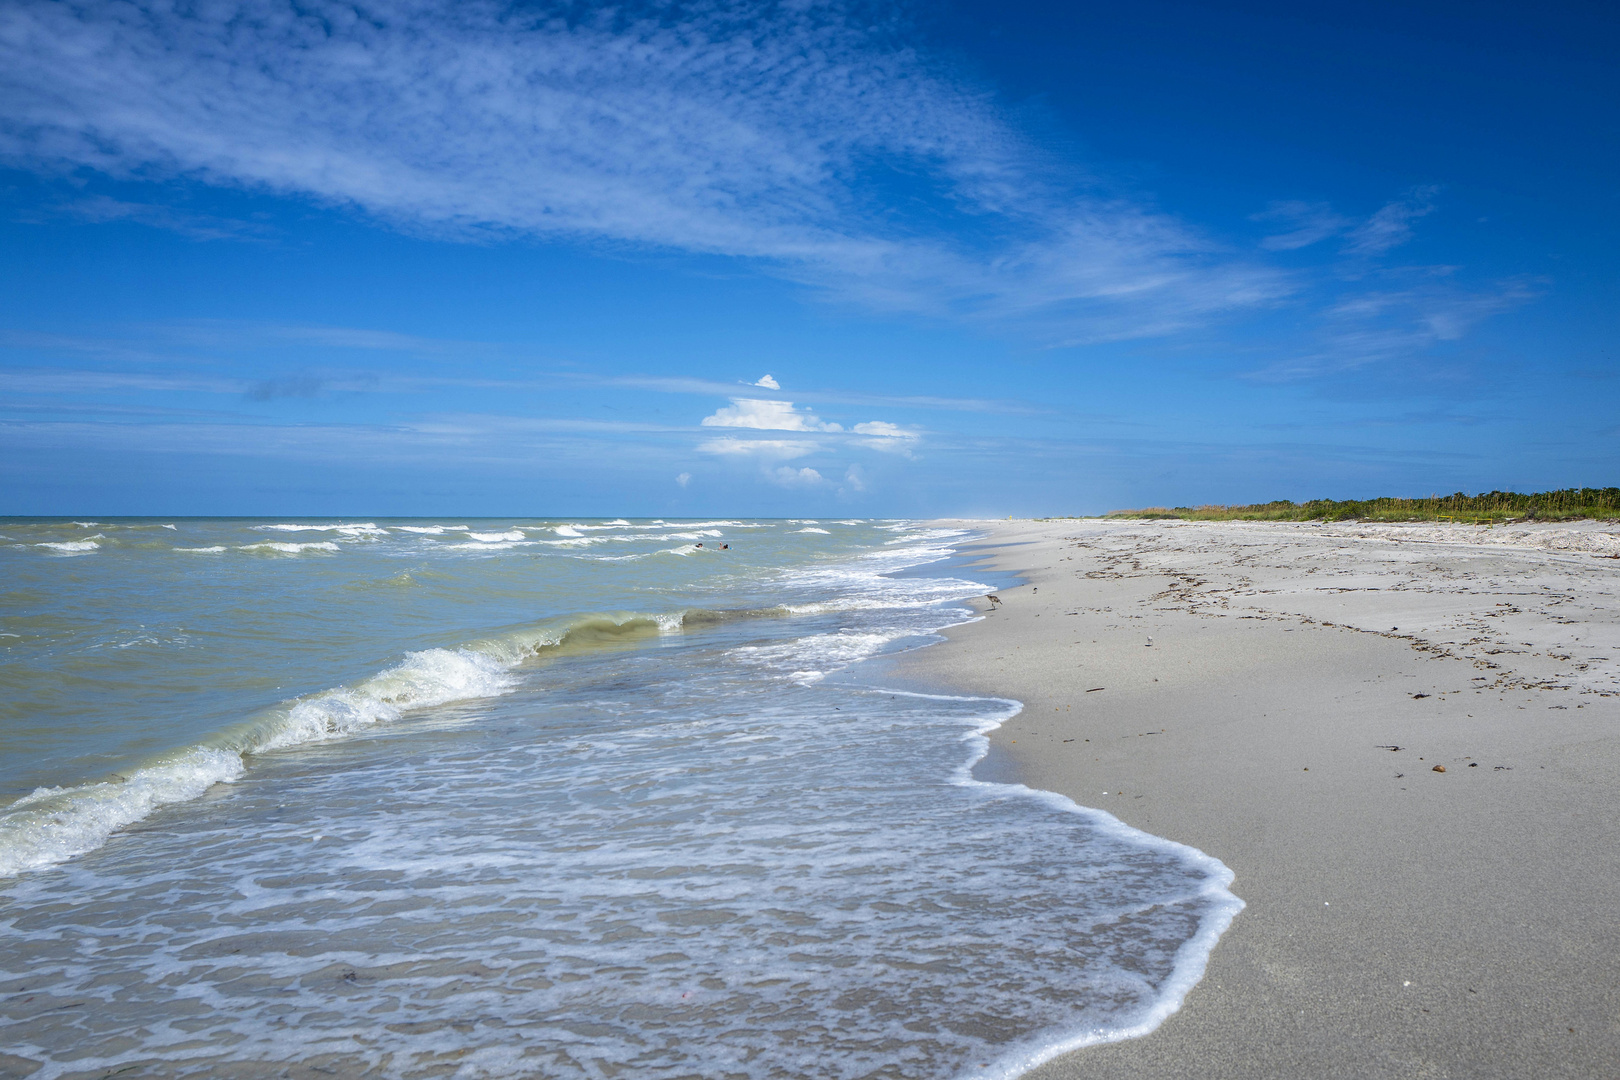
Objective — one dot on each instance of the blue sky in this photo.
(460, 258)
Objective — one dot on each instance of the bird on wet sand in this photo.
(993, 598)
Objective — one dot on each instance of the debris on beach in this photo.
(1439, 768)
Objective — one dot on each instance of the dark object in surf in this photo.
(723, 547)
(993, 598)
(698, 544)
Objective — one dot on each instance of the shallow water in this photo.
(619, 807)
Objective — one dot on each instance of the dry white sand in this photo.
(1301, 683)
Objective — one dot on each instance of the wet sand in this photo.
(1278, 695)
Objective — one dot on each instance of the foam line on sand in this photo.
(1279, 696)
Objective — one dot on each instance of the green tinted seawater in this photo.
(125, 638)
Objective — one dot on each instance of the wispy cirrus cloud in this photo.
(762, 448)
(1305, 223)
(768, 132)
(99, 209)
(1396, 325)
(1391, 226)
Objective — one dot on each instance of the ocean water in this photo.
(539, 799)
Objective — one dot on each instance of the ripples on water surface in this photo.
(525, 798)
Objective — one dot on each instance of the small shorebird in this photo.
(993, 598)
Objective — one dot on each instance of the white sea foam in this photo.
(708, 525)
(857, 891)
(283, 548)
(576, 528)
(808, 660)
(493, 538)
(72, 547)
(431, 530)
(363, 529)
(213, 550)
(1220, 906)
(428, 678)
(55, 824)
(809, 529)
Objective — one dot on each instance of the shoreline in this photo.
(1399, 920)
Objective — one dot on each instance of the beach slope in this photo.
(1405, 742)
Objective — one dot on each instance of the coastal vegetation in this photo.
(1487, 507)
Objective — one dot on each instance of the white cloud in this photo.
(718, 128)
(769, 383)
(1307, 224)
(1391, 226)
(791, 477)
(766, 416)
(684, 479)
(767, 448)
(854, 478)
(1396, 327)
(100, 208)
(889, 438)
(884, 429)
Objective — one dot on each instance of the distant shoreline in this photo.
(1568, 504)
(1278, 696)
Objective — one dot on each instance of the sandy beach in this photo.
(1285, 697)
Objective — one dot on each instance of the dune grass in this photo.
(1487, 507)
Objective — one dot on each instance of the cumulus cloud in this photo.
(766, 416)
(760, 414)
(683, 479)
(791, 477)
(883, 428)
(771, 133)
(888, 438)
(769, 383)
